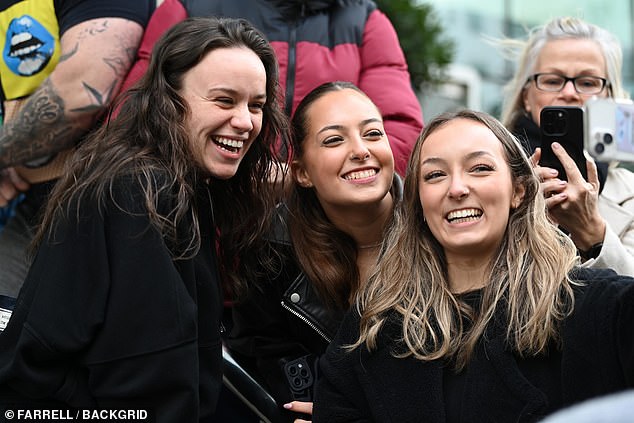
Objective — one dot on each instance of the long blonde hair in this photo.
(529, 276)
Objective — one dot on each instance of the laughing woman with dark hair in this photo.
(121, 308)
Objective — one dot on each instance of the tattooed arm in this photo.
(96, 56)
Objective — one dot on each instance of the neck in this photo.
(364, 223)
(467, 274)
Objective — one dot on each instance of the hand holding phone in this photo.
(562, 124)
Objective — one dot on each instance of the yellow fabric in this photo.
(32, 11)
(29, 28)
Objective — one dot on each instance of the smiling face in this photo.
(225, 94)
(466, 191)
(567, 57)
(346, 154)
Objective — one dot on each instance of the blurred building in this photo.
(479, 71)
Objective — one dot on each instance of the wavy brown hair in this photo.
(147, 137)
(529, 276)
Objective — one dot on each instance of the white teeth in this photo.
(229, 143)
(29, 66)
(360, 175)
(20, 38)
(465, 213)
(25, 51)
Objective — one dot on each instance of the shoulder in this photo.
(604, 278)
(74, 12)
(602, 291)
(130, 192)
(619, 185)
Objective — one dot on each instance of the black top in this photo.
(543, 372)
(597, 357)
(106, 317)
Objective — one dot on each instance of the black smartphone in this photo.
(562, 124)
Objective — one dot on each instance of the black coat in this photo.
(597, 357)
(106, 318)
(282, 319)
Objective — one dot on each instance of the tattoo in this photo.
(40, 129)
(99, 100)
(43, 126)
(96, 28)
(66, 56)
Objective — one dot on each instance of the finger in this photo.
(302, 421)
(537, 154)
(7, 191)
(593, 173)
(545, 173)
(300, 407)
(552, 186)
(20, 183)
(555, 200)
(570, 167)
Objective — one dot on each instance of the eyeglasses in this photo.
(553, 83)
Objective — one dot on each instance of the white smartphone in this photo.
(609, 129)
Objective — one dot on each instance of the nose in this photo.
(241, 118)
(458, 189)
(569, 90)
(359, 150)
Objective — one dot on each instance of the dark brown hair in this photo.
(326, 254)
(148, 136)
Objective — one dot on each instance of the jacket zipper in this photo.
(290, 71)
(292, 62)
(305, 320)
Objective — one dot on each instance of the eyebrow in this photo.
(233, 92)
(472, 155)
(340, 127)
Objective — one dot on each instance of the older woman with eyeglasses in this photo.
(564, 63)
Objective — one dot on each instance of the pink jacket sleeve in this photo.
(169, 13)
(386, 80)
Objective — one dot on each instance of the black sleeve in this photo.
(339, 396)
(262, 340)
(72, 12)
(104, 319)
(598, 338)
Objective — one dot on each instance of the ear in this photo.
(527, 107)
(300, 175)
(518, 196)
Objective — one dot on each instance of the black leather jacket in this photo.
(283, 327)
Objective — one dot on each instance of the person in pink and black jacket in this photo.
(315, 42)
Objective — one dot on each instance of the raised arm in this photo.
(95, 57)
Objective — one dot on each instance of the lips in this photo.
(464, 215)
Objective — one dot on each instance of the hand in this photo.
(11, 184)
(300, 407)
(573, 204)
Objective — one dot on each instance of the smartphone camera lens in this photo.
(599, 148)
(607, 138)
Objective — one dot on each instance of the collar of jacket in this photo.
(294, 9)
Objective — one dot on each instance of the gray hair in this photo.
(558, 29)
